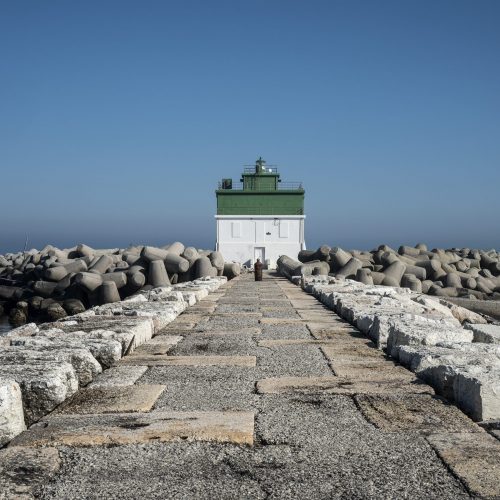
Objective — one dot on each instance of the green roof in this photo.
(260, 192)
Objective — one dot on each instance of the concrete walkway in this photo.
(258, 391)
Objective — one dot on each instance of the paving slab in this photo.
(119, 376)
(24, 469)
(474, 458)
(306, 303)
(286, 342)
(280, 321)
(190, 318)
(216, 345)
(230, 331)
(213, 298)
(130, 428)
(319, 316)
(376, 369)
(322, 330)
(414, 413)
(165, 360)
(361, 350)
(337, 385)
(158, 345)
(175, 327)
(112, 399)
(246, 314)
(202, 308)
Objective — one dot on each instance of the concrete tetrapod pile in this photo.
(51, 283)
(41, 366)
(456, 272)
(449, 347)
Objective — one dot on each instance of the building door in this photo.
(260, 253)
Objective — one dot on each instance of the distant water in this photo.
(5, 326)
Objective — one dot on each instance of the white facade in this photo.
(245, 238)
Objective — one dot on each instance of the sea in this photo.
(5, 326)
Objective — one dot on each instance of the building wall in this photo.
(239, 236)
(276, 203)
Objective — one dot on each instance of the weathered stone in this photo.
(161, 313)
(26, 330)
(373, 370)
(115, 399)
(11, 410)
(44, 385)
(73, 306)
(134, 428)
(329, 331)
(85, 365)
(364, 350)
(56, 312)
(131, 331)
(416, 330)
(336, 385)
(489, 334)
(474, 458)
(23, 469)
(119, 376)
(107, 351)
(160, 344)
(477, 392)
(413, 412)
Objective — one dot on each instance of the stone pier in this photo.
(256, 391)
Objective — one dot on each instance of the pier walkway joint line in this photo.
(257, 391)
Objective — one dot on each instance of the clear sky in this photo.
(117, 118)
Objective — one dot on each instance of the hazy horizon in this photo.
(119, 118)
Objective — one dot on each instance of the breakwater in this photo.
(451, 348)
(42, 366)
(454, 272)
(52, 283)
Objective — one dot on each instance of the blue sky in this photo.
(117, 119)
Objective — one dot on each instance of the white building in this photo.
(261, 218)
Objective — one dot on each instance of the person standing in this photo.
(257, 269)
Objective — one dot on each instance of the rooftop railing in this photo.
(265, 170)
(282, 186)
